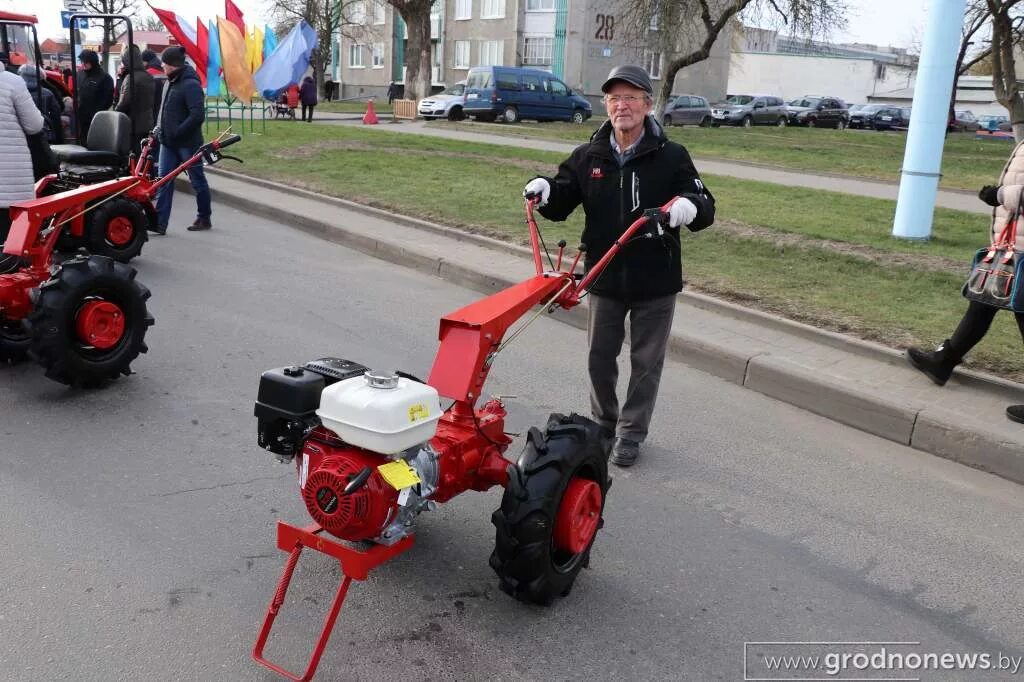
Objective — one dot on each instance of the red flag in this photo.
(234, 15)
(186, 36)
(202, 42)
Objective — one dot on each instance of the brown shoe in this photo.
(200, 224)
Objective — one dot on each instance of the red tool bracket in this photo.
(355, 565)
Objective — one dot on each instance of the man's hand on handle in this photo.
(681, 212)
(540, 188)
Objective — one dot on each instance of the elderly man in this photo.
(628, 165)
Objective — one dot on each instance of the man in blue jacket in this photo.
(180, 126)
(628, 166)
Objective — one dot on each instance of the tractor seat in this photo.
(108, 143)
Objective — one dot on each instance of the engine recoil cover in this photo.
(325, 470)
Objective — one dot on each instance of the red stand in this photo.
(355, 565)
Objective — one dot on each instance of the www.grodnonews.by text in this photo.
(863, 661)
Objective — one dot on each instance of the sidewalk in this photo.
(961, 201)
(861, 384)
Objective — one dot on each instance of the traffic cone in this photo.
(370, 117)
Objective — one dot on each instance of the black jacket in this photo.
(137, 101)
(95, 93)
(614, 197)
(182, 111)
(51, 110)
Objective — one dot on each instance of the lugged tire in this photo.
(14, 340)
(96, 229)
(52, 324)
(529, 565)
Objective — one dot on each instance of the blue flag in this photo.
(288, 62)
(213, 63)
(269, 41)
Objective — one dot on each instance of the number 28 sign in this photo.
(605, 27)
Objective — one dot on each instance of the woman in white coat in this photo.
(18, 117)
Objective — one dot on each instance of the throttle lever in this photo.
(358, 481)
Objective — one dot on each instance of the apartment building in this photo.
(577, 40)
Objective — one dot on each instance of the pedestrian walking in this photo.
(95, 92)
(307, 95)
(392, 92)
(19, 118)
(629, 165)
(135, 96)
(180, 124)
(1005, 200)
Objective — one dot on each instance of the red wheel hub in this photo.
(120, 231)
(100, 324)
(578, 515)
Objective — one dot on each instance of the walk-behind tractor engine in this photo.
(374, 449)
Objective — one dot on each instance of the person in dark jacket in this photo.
(135, 96)
(180, 125)
(307, 95)
(392, 91)
(95, 92)
(51, 107)
(628, 166)
(155, 68)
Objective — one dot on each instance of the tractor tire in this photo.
(14, 340)
(89, 322)
(551, 510)
(117, 229)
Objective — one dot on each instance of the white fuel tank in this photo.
(381, 411)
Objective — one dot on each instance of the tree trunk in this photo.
(417, 54)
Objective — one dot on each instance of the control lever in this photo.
(358, 481)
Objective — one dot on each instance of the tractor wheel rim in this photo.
(578, 516)
(120, 231)
(100, 324)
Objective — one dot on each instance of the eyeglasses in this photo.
(628, 100)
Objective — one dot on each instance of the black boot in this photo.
(1015, 413)
(937, 365)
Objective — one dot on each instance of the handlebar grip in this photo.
(229, 140)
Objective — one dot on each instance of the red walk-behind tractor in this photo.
(83, 319)
(374, 449)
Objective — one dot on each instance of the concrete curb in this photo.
(931, 430)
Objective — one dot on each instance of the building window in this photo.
(880, 72)
(463, 9)
(492, 9)
(461, 54)
(355, 56)
(377, 56)
(538, 51)
(379, 16)
(652, 62)
(491, 52)
(357, 12)
(540, 5)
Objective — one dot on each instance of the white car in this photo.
(445, 104)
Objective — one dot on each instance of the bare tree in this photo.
(1006, 21)
(125, 7)
(690, 28)
(416, 15)
(329, 18)
(149, 22)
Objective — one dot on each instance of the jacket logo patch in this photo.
(596, 173)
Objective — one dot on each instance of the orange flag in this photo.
(237, 75)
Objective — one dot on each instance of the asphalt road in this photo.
(138, 521)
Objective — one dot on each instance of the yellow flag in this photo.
(237, 75)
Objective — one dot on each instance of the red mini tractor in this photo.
(83, 319)
(374, 449)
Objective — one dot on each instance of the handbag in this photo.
(996, 272)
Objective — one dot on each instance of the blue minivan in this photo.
(516, 93)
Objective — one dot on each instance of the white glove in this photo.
(681, 212)
(540, 187)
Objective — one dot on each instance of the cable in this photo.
(546, 252)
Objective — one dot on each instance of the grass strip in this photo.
(478, 187)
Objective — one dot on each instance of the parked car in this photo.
(814, 111)
(748, 110)
(687, 110)
(994, 122)
(891, 118)
(964, 121)
(516, 93)
(863, 116)
(446, 104)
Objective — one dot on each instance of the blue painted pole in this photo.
(922, 160)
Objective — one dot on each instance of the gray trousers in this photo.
(650, 323)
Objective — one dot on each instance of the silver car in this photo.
(687, 110)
